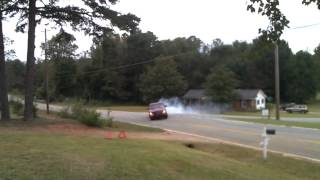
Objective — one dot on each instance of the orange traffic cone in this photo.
(108, 135)
(122, 135)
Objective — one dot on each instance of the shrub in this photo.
(91, 118)
(77, 110)
(109, 122)
(35, 110)
(18, 108)
(86, 116)
(65, 113)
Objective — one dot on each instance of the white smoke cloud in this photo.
(176, 106)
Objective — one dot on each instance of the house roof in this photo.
(248, 93)
(195, 94)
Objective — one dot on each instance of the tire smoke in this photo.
(176, 106)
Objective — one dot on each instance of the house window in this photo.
(262, 101)
(258, 102)
(243, 104)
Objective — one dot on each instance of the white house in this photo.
(250, 99)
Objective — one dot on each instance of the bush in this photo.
(65, 113)
(91, 118)
(86, 116)
(35, 110)
(18, 108)
(109, 122)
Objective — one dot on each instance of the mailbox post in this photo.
(265, 141)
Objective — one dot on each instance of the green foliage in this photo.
(302, 78)
(85, 116)
(64, 79)
(307, 2)
(91, 118)
(162, 80)
(17, 108)
(9, 53)
(109, 122)
(121, 69)
(15, 73)
(61, 46)
(82, 17)
(65, 113)
(141, 47)
(220, 85)
(180, 45)
(316, 60)
(278, 21)
(94, 17)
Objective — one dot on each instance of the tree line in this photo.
(117, 69)
(139, 68)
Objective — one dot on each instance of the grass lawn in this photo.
(128, 108)
(314, 107)
(46, 156)
(282, 114)
(28, 152)
(286, 123)
(106, 105)
(132, 128)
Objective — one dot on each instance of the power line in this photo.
(305, 26)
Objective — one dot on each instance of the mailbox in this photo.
(271, 131)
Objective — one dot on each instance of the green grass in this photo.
(282, 114)
(56, 119)
(106, 106)
(285, 123)
(34, 155)
(132, 128)
(128, 108)
(314, 107)
(238, 113)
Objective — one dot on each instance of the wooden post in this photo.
(277, 81)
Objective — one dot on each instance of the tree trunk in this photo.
(4, 104)
(29, 79)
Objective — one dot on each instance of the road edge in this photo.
(295, 156)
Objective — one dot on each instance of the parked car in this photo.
(283, 107)
(298, 109)
(157, 111)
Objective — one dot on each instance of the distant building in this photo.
(248, 99)
(195, 96)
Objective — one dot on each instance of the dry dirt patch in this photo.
(56, 125)
(78, 129)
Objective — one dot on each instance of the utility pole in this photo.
(46, 72)
(277, 80)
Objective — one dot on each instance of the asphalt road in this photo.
(297, 141)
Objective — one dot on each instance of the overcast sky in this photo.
(206, 19)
